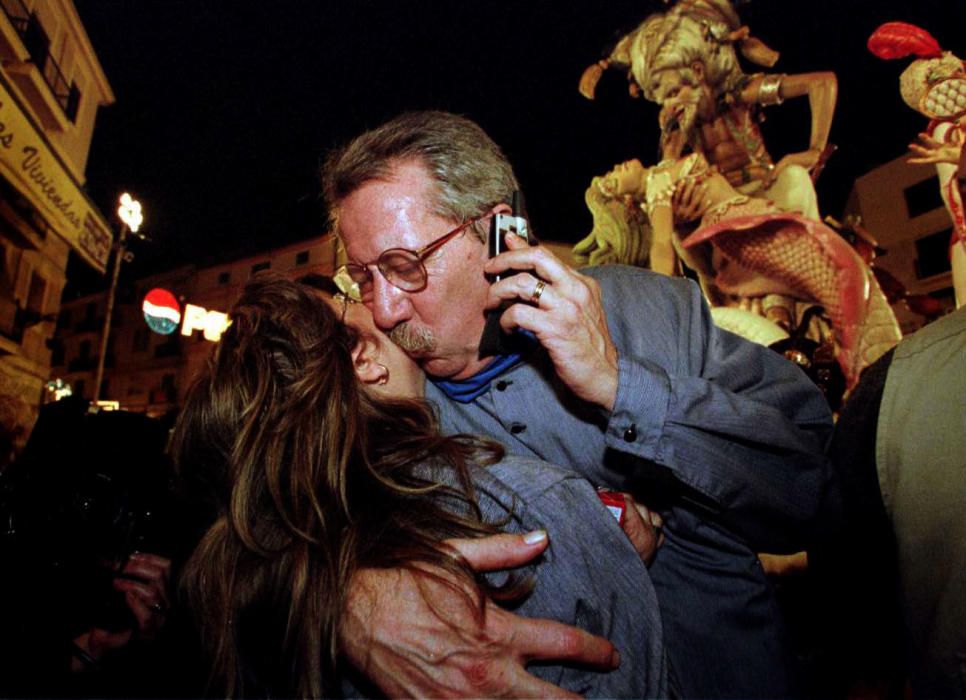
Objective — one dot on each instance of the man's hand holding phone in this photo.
(564, 311)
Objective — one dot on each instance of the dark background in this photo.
(224, 108)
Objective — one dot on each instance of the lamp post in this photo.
(131, 217)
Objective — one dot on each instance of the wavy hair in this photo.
(470, 172)
(308, 478)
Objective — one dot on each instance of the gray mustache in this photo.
(413, 338)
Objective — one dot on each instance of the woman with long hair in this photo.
(312, 468)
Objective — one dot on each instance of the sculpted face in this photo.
(628, 178)
(439, 326)
(682, 100)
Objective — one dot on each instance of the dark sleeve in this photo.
(737, 424)
(854, 562)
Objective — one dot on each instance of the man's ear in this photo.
(364, 362)
(698, 68)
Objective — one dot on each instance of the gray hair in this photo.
(470, 170)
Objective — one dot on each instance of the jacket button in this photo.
(517, 428)
(502, 385)
(630, 435)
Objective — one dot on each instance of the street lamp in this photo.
(131, 217)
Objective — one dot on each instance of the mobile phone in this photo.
(502, 224)
(494, 341)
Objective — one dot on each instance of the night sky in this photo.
(224, 109)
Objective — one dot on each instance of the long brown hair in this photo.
(310, 478)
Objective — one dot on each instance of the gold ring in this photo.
(537, 291)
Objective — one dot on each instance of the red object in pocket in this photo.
(614, 502)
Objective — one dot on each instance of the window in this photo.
(142, 336)
(57, 358)
(302, 258)
(923, 197)
(85, 349)
(73, 103)
(37, 294)
(224, 277)
(64, 320)
(258, 267)
(933, 254)
(80, 386)
(89, 311)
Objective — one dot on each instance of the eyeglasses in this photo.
(345, 301)
(402, 268)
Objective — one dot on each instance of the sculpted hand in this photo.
(416, 636)
(689, 201)
(565, 313)
(807, 159)
(928, 150)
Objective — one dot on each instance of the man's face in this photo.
(439, 326)
(681, 101)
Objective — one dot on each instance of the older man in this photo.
(626, 380)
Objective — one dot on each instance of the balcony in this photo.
(13, 25)
(34, 70)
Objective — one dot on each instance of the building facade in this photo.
(149, 372)
(51, 87)
(901, 206)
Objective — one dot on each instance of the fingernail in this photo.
(615, 659)
(535, 537)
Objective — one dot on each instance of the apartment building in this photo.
(901, 206)
(51, 87)
(147, 371)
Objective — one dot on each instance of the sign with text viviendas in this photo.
(28, 162)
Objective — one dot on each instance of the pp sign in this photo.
(211, 323)
(163, 314)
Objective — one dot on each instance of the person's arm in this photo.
(660, 190)
(737, 424)
(822, 91)
(410, 648)
(145, 586)
(733, 421)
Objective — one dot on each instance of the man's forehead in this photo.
(393, 212)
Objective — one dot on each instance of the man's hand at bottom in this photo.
(414, 635)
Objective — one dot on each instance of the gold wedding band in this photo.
(537, 291)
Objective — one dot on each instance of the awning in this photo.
(29, 163)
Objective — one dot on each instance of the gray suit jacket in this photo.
(724, 436)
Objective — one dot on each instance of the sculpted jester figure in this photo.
(685, 61)
(935, 86)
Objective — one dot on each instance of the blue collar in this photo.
(467, 390)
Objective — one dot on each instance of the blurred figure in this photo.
(85, 546)
(899, 450)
